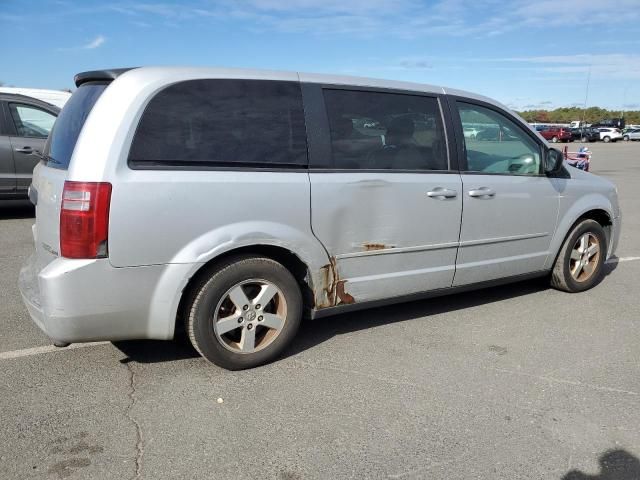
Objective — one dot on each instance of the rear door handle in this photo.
(27, 150)
(482, 192)
(441, 193)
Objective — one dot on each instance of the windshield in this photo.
(67, 128)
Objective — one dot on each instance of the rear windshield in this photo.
(66, 130)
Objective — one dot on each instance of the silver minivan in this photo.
(234, 203)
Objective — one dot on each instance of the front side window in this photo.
(31, 121)
(227, 123)
(499, 144)
(388, 131)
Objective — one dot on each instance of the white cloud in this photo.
(607, 66)
(95, 43)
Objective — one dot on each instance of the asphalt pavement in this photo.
(512, 382)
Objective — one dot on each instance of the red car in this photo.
(557, 134)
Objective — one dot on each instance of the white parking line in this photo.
(622, 259)
(27, 352)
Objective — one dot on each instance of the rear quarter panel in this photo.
(161, 216)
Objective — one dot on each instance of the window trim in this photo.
(461, 145)
(12, 121)
(319, 135)
(177, 165)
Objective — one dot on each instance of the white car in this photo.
(470, 132)
(610, 134)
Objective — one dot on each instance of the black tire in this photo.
(209, 292)
(561, 277)
(554, 139)
(625, 138)
(606, 139)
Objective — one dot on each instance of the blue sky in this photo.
(527, 54)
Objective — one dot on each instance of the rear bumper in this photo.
(89, 300)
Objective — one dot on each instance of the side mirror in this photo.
(553, 161)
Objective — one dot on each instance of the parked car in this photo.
(471, 132)
(585, 134)
(25, 123)
(610, 134)
(631, 135)
(610, 123)
(557, 134)
(52, 97)
(173, 197)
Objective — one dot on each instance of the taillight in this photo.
(84, 219)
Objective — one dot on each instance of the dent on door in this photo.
(385, 237)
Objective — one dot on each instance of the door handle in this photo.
(27, 150)
(440, 192)
(482, 192)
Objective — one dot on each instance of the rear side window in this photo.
(67, 128)
(223, 123)
(385, 131)
(31, 121)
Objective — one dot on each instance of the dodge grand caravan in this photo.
(234, 203)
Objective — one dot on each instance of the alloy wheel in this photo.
(250, 316)
(585, 256)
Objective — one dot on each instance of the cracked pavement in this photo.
(513, 382)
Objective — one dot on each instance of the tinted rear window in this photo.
(226, 123)
(67, 128)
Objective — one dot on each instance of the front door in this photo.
(386, 204)
(510, 207)
(32, 126)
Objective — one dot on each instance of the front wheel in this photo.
(554, 139)
(625, 138)
(581, 259)
(606, 139)
(583, 139)
(244, 313)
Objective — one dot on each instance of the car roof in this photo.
(173, 74)
(16, 97)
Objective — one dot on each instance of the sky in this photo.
(526, 54)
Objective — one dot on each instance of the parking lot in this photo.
(512, 382)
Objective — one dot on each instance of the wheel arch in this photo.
(601, 215)
(286, 257)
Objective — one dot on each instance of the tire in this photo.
(606, 139)
(228, 344)
(583, 139)
(625, 138)
(562, 276)
(554, 139)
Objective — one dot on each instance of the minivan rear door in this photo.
(385, 200)
(50, 174)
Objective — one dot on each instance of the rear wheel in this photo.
(583, 139)
(554, 139)
(580, 261)
(244, 313)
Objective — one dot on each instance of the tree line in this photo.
(568, 114)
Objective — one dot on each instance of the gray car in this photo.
(233, 203)
(25, 123)
(631, 135)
